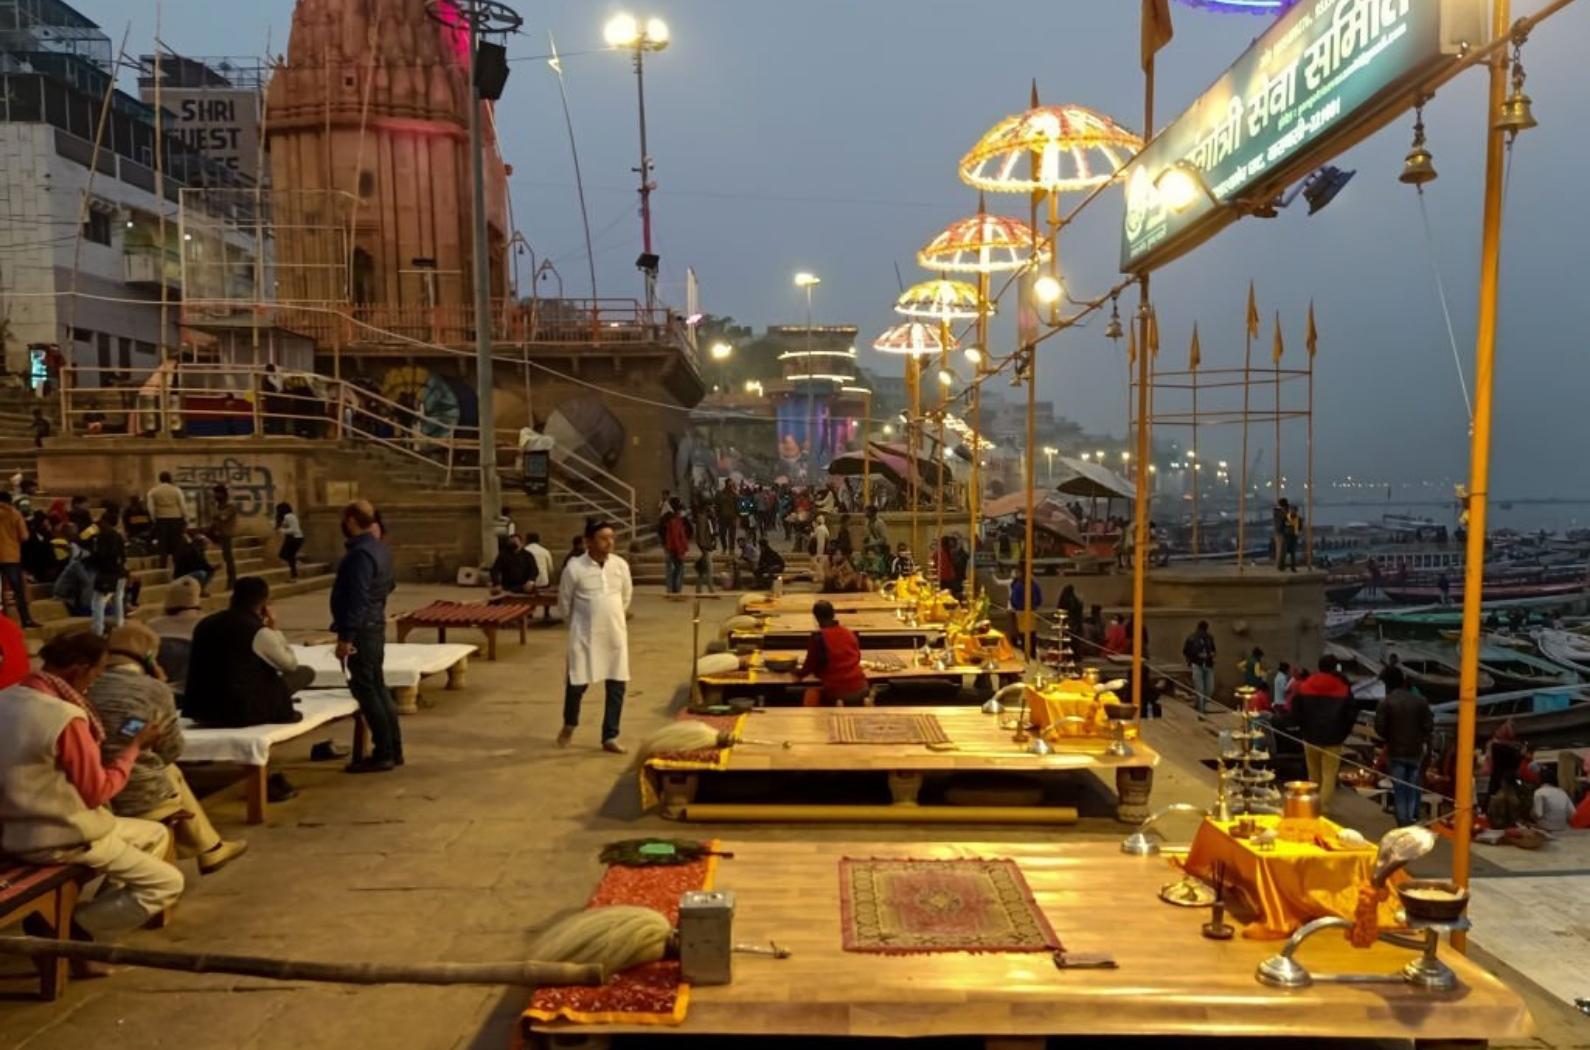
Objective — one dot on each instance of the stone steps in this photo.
(281, 587)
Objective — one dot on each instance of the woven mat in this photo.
(899, 907)
(876, 728)
(650, 994)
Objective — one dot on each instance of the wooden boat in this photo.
(1363, 673)
(1514, 669)
(1552, 718)
(1341, 622)
(1566, 648)
(1565, 591)
(1339, 590)
(1434, 675)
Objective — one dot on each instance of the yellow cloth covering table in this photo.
(1290, 883)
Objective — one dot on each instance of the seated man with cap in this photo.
(133, 687)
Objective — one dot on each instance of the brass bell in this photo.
(1113, 329)
(1516, 114)
(1417, 168)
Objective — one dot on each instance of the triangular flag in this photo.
(1312, 339)
(1157, 29)
(1153, 333)
(1275, 354)
(1131, 344)
(1196, 356)
(1253, 313)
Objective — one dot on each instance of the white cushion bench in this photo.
(406, 664)
(250, 746)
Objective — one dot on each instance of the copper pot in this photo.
(1300, 800)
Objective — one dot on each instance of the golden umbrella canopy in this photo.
(981, 243)
(1076, 149)
(915, 339)
(940, 299)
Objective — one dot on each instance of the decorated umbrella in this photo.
(983, 244)
(894, 462)
(1047, 150)
(916, 339)
(940, 300)
(1048, 514)
(1074, 147)
(1092, 481)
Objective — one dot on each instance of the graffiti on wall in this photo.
(252, 488)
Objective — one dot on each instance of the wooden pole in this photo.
(1275, 364)
(944, 405)
(1247, 385)
(1144, 425)
(974, 496)
(913, 429)
(866, 451)
(1480, 455)
(521, 974)
(1195, 455)
(1308, 495)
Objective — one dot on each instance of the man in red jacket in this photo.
(834, 656)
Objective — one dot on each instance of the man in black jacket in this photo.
(514, 570)
(1323, 714)
(241, 671)
(358, 615)
(1404, 721)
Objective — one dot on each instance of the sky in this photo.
(824, 135)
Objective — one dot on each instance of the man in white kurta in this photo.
(593, 598)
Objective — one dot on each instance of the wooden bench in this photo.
(250, 746)
(482, 616)
(546, 601)
(50, 892)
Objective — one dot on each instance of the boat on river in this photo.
(1565, 647)
(1516, 669)
(1435, 676)
(1546, 718)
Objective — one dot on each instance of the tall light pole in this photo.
(1049, 452)
(806, 282)
(626, 31)
(481, 18)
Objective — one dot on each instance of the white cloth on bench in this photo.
(251, 745)
(405, 664)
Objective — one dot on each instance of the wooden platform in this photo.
(771, 686)
(877, 629)
(981, 746)
(800, 603)
(481, 616)
(1170, 982)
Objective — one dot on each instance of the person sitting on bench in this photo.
(133, 686)
(241, 671)
(54, 789)
(833, 655)
(515, 570)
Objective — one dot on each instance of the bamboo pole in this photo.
(913, 429)
(944, 409)
(1480, 456)
(866, 449)
(1195, 457)
(1308, 495)
(1144, 424)
(1276, 363)
(521, 974)
(1247, 386)
(974, 495)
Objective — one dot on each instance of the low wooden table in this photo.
(981, 746)
(767, 686)
(545, 600)
(482, 616)
(1171, 982)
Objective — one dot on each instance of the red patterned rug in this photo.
(874, 728)
(900, 907)
(651, 993)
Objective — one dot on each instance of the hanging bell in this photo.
(1516, 114)
(1417, 166)
(1113, 329)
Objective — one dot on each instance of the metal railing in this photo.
(211, 400)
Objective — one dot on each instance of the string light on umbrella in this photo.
(1075, 148)
(981, 244)
(940, 299)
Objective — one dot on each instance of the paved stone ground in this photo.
(489, 831)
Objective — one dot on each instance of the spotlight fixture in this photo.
(1320, 188)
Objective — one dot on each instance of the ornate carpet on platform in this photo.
(878, 728)
(899, 907)
(651, 993)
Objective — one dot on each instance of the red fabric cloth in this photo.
(1115, 638)
(834, 656)
(77, 755)
(13, 653)
(1581, 816)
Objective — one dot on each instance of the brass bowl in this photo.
(781, 664)
(1433, 900)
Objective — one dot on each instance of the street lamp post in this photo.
(480, 18)
(626, 31)
(806, 282)
(1049, 453)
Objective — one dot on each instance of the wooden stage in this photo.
(1171, 981)
(771, 686)
(978, 745)
(800, 603)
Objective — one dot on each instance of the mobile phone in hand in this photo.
(132, 727)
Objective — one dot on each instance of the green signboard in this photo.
(1323, 74)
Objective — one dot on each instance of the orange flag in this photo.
(1196, 356)
(1153, 332)
(1253, 313)
(1312, 339)
(1157, 29)
(1275, 354)
(1131, 344)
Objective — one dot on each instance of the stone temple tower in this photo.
(367, 125)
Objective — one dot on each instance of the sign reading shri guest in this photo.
(1325, 74)
(221, 123)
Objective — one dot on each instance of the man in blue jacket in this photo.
(358, 615)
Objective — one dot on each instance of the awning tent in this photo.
(893, 462)
(1088, 480)
(1047, 514)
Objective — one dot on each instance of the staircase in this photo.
(252, 560)
(17, 454)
